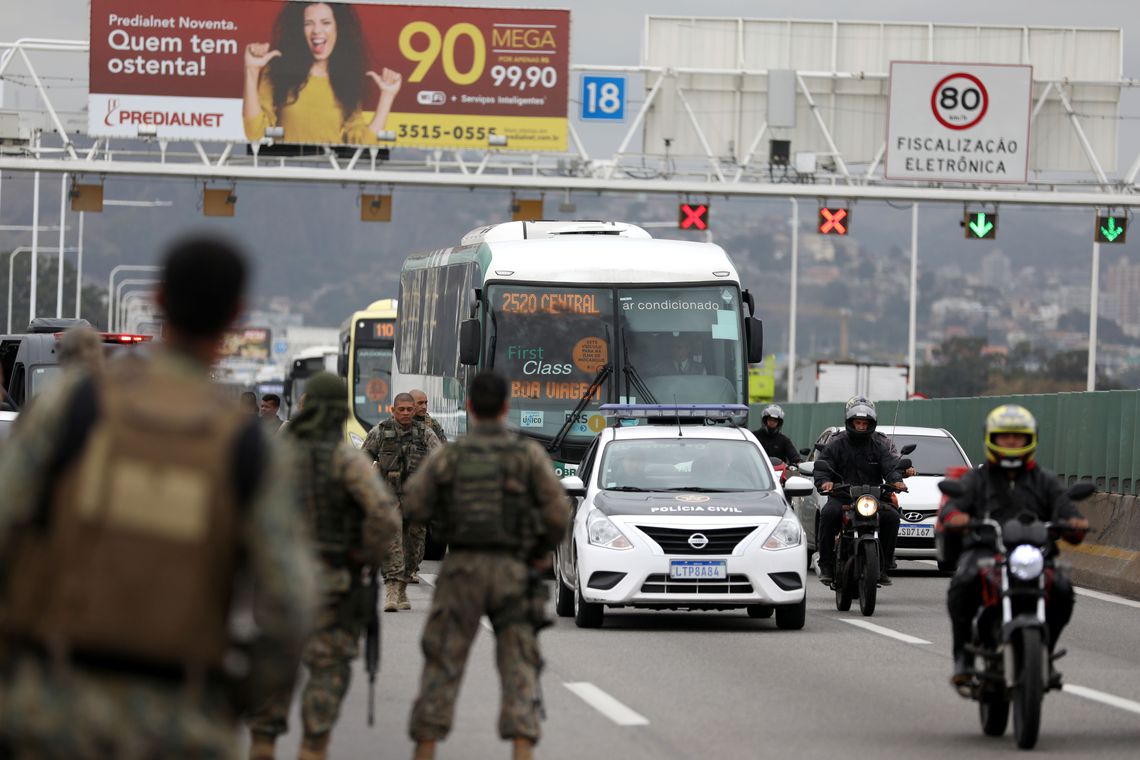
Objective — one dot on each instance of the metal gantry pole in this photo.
(793, 304)
(1094, 307)
(79, 271)
(35, 244)
(62, 239)
(912, 331)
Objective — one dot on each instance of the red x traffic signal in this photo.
(833, 221)
(694, 216)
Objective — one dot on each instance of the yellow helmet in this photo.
(1010, 418)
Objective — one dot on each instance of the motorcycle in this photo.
(1010, 634)
(858, 553)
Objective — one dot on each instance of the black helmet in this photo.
(860, 407)
(774, 412)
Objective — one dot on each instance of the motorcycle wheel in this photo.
(869, 580)
(1028, 687)
(843, 585)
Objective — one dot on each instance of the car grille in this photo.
(676, 540)
(914, 542)
(663, 584)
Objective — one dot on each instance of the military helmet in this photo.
(325, 387)
(860, 407)
(775, 412)
(1010, 418)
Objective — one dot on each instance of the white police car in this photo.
(674, 515)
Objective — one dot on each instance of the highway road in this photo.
(680, 685)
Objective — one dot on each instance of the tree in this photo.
(962, 370)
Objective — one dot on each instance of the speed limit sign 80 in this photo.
(959, 101)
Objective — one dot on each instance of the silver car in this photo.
(936, 451)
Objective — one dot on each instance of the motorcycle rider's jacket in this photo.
(1032, 489)
(776, 444)
(871, 461)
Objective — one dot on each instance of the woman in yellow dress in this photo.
(310, 82)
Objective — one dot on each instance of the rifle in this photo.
(536, 595)
(372, 642)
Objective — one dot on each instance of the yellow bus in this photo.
(365, 362)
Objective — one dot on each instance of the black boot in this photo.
(826, 571)
(963, 668)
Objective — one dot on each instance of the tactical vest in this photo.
(490, 505)
(334, 517)
(400, 453)
(138, 539)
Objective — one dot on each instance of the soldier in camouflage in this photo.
(423, 416)
(398, 445)
(352, 516)
(143, 492)
(502, 510)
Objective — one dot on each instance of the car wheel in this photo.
(760, 611)
(791, 617)
(563, 595)
(587, 614)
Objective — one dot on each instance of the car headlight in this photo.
(602, 532)
(867, 506)
(786, 535)
(1026, 562)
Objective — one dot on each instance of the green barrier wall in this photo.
(1082, 435)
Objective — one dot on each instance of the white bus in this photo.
(574, 314)
(302, 366)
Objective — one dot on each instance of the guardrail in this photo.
(1093, 436)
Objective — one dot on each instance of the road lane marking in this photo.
(1099, 696)
(1107, 597)
(883, 631)
(606, 705)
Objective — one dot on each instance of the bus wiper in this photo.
(632, 376)
(556, 442)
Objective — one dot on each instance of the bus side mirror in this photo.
(754, 333)
(469, 342)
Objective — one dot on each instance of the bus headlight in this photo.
(867, 506)
(1026, 562)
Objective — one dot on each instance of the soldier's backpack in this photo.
(132, 556)
(491, 504)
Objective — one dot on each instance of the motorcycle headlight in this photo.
(1026, 562)
(357, 441)
(602, 532)
(866, 506)
(786, 535)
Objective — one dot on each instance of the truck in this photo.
(838, 381)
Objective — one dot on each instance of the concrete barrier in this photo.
(1109, 558)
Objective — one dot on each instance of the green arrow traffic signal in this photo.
(980, 226)
(1110, 229)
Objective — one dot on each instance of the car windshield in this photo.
(932, 454)
(660, 464)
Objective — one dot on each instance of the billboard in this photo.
(951, 122)
(330, 73)
(247, 343)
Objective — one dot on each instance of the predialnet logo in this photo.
(118, 116)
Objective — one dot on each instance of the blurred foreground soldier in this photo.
(399, 444)
(502, 511)
(352, 516)
(423, 416)
(82, 348)
(249, 403)
(143, 518)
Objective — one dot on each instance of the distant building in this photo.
(1123, 285)
(997, 271)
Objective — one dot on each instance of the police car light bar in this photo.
(704, 411)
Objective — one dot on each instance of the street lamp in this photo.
(119, 296)
(111, 285)
(11, 271)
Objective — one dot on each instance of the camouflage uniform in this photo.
(398, 454)
(352, 516)
(436, 428)
(485, 579)
(69, 710)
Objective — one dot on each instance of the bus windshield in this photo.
(678, 344)
(550, 343)
(372, 385)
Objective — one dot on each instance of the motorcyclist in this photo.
(1009, 484)
(775, 443)
(856, 456)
